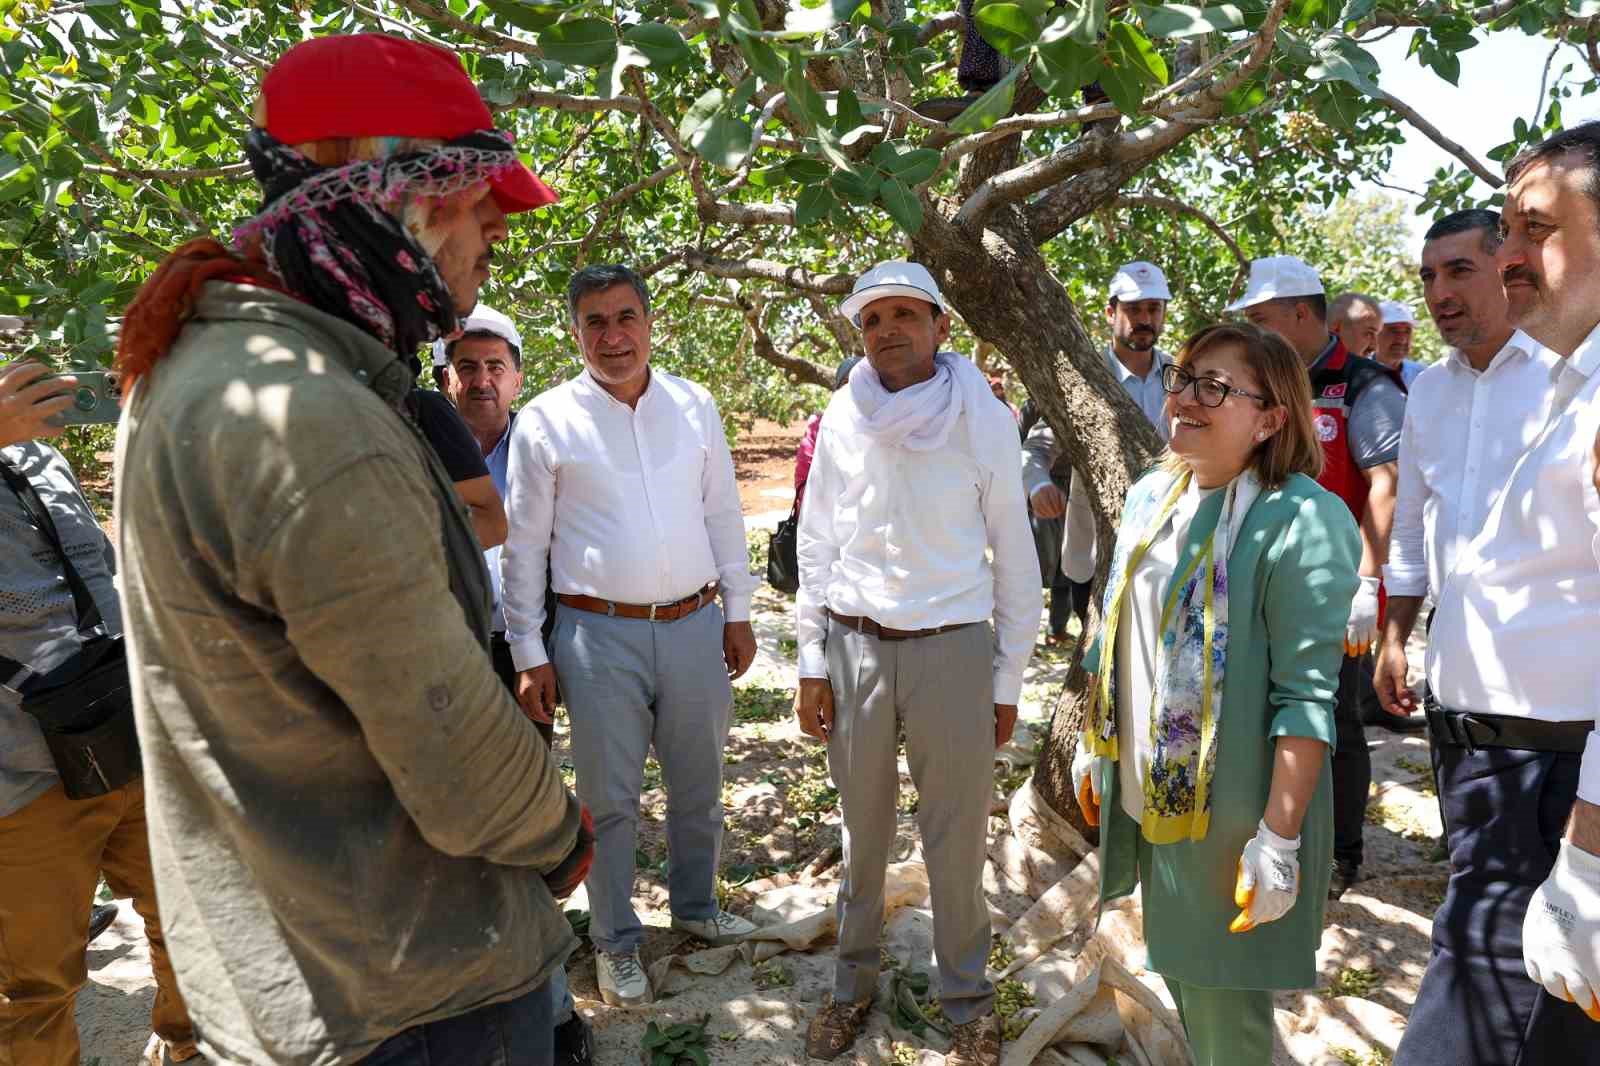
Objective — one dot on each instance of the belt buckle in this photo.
(611, 608)
(652, 614)
(1467, 721)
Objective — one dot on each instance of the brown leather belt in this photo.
(867, 627)
(650, 612)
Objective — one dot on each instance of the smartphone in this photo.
(97, 399)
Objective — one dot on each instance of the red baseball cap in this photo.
(375, 85)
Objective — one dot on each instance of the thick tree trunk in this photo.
(1006, 294)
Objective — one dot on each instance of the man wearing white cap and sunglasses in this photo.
(917, 474)
(1394, 340)
(1359, 407)
(1136, 311)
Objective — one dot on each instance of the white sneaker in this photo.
(723, 928)
(623, 982)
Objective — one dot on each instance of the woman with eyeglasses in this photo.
(1204, 758)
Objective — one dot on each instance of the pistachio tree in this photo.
(751, 157)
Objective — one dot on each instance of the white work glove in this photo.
(1269, 879)
(1084, 784)
(1561, 931)
(1362, 629)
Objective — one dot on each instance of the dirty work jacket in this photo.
(348, 813)
(1291, 576)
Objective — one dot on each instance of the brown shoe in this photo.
(834, 1027)
(975, 1043)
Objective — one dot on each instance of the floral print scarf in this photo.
(1186, 707)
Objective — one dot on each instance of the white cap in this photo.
(1395, 312)
(484, 319)
(1139, 281)
(1275, 277)
(894, 278)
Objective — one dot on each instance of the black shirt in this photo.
(439, 421)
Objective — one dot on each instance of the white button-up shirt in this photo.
(900, 536)
(1463, 434)
(630, 504)
(1514, 630)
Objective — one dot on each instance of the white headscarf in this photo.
(921, 416)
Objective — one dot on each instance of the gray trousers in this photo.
(629, 684)
(941, 689)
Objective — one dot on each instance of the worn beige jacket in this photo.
(349, 815)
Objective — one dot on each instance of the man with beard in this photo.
(359, 838)
(482, 377)
(1359, 408)
(1394, 341)
(1136, 311)
(1355, 318)
(1512, 667)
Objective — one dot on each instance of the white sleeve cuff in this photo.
(1007, 686)
(1589, 771)
(736, 606)
(1402, 580)
(529, 653)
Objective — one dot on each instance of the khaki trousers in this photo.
(52, 853)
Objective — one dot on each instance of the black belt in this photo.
(1472, 730)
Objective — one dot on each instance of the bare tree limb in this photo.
(795, 277)
(799, 369)
(844, 334)
(1178, 207)
(568, 102)
(1430, 131)
(227, 46)
(939, 24)
(1143, 144)
(232, 171)
(501, 41)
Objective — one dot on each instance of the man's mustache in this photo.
(1519, 273)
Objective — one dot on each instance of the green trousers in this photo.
(1225, 1026)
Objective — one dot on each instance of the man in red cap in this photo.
(359, 839)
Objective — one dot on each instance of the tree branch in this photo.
(800, 370)
(1430, 131)
(1178, 207)
(939, 24)
(569, 102)
(232, 171)
(227, 46)
(470, 29)
(795, 277)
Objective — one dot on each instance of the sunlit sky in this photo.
(1499, 82)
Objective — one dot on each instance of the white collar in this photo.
(1158, 359)
(1519, 343)
(1585, 359)
(587, 380)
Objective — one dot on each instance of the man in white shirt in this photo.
(1136, 311)
(1394, 341)
(622, 481)
(1512, 665)
(916, 477)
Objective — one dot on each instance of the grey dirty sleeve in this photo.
(357, 572)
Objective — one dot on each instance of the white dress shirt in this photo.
(1077, 541)
(899, 536)
(630, 504)
(1463, 434)
(1514, 630)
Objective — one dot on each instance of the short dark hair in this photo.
(480, 334)
(1317, 301)
(599, 278)
(1581, 141)
(1340, 307)
(1479, 218)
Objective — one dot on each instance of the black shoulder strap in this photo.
(89, 619)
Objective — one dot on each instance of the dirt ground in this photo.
(781, 843)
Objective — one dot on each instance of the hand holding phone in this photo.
(96, 398)
(30, 399)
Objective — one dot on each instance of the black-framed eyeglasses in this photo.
(1208, 392)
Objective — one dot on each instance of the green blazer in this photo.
(1291, 577)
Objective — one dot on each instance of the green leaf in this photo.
(1357, 11)
(802, 99)
(1181, 20)
(718, 137)
(1338, 58)
(806, 171)
(1338, 105)
(769, 177)
(698, 1056)
(847, 115)
(583, 42)
(903, 205)
(831, 148)
(700, 113)
(661, 44)
(989, 108)
(764, 59)
(813, 204)
(1087, 22)
(1063, 66)
(855, 186)
(818, 16)
(1125, 88)
(526, 16)
(1011, 28)
(1251, 94)
(914, 167)
(608, 82)
(1129, 48)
